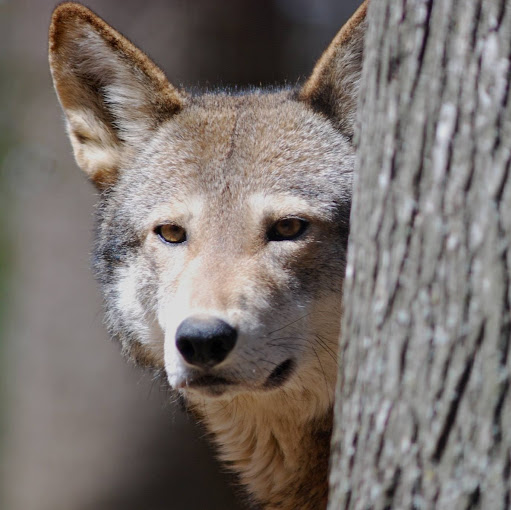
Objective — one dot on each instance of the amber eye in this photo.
(287, 229)
(171, 233)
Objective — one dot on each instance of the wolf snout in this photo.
(205, 341)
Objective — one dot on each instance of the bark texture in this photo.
(423, 414)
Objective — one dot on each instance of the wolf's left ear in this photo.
(333, 86)
(113, 96)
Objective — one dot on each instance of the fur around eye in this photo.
(287, 229)
(170, 233)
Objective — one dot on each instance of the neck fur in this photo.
(277, 442)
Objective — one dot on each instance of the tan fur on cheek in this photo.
(145, 356)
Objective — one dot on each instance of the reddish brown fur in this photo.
(332, 83)
(69, 20)
(71, 13)
(314, 86)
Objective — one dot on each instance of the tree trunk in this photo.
(423, 411)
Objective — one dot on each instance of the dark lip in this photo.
(207, 384)
(208, 381)
(280, 375)
(198, 380)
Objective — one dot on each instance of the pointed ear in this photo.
(113, 96)
(333, 86)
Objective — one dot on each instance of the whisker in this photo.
(322, 343)
(322, 370)
(317, 312)
(289, 324)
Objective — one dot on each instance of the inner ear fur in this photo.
(333, 85)
(112, 94)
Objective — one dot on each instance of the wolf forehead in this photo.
(241, 144)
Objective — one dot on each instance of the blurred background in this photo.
(79, 428)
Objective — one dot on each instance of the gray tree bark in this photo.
(423, 411)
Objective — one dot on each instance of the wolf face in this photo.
(223, 218)
(229, 175)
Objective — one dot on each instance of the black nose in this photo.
(205, 341)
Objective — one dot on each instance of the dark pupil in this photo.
(287, 227)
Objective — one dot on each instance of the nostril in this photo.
(185, 347)
(205, 341)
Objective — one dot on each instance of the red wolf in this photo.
(222, 229)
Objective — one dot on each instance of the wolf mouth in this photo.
(215, 384)
(208, 381)
(207, 384)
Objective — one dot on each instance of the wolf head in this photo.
(223, 218)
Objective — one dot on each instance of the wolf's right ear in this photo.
(333, 85)
(111, 93)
